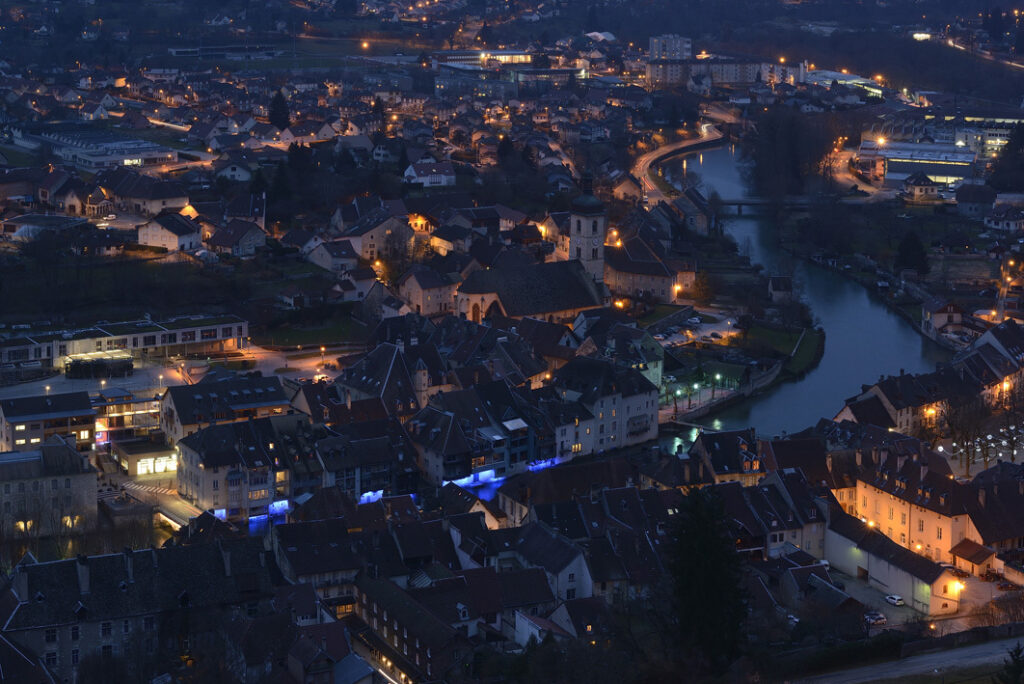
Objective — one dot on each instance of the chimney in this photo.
(348, 399)
(860, 458)
(82, 565)
(981, 495)
(21, 582)
(226, 555)
(901, 461)
(129, 566)
(924, 470)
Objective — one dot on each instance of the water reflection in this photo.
(864, 339)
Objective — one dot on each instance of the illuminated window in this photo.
(84, 434)
(19, 442)
(19, 428)
(34, 440)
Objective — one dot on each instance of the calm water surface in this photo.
(864, 340)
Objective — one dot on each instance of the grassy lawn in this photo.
(333, 332)
(17, 156)
(660, 311)
(781, 341)
(806, 355)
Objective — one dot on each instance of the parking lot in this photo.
(975, 594)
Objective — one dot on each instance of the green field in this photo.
(334, 331)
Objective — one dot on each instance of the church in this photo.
(555, 291)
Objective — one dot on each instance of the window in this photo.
(108, 651)
(572, 576)
(74, 632)
(105, 629)
(74, 656)
(67, 483)
(570, 594)
(903, 518)
(938, 533)
(53, 484)
(593, 228)
(51, 636)
(216, 485)
(920, 525)
(51, 659)
(19, 442)
(19, 428)
(126, 627)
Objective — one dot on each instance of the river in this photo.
(863, 338)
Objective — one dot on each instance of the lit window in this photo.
(34, 440)
(19, 442)
(19, 428)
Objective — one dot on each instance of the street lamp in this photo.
(718, 377)
(47, 388)
(322, 350)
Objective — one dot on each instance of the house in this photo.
(238, 238)
(184, 409)
(243, 470)
(57, 468)
(141, 194)
(940, 317)
(426, 291)
(412, 643)
(862, 551)
(431, 174)
(975, 200)
(780, 289)
(623, 402)
(336, 257)
(556, 291)
(919, 188)
(28, 422)
(632, 269)
(380, 235)
(173, 232)
(133, 605)
(1005, 217)
(731, 455)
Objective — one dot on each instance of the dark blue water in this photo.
(864, 339)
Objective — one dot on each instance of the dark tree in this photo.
(279, 115)
(1008, 171)
(911, 254)
(541, 61)
(707, 592)
(1013, 667)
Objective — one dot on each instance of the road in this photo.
(991, 653)
(643, 163)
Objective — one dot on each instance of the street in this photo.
(643, 163)
(992, 653)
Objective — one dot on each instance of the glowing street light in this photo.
(322, 350)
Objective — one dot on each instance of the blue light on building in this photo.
(220, 513)
(370, 497)
(279, 507)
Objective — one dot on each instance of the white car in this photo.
(110, 217)
(895, 600)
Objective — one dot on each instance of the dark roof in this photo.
(537, 288)
(877, 544)
(48, 405)
(177, 224)
(971, 551)
(143, 582)
(202, 401)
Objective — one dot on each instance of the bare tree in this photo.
(965, 422)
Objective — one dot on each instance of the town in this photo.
(466, 341)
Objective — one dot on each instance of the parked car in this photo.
(1007, 586)
(110, 217)
(659, 337)
(695, 320)
(874, 618)
(895, 600)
